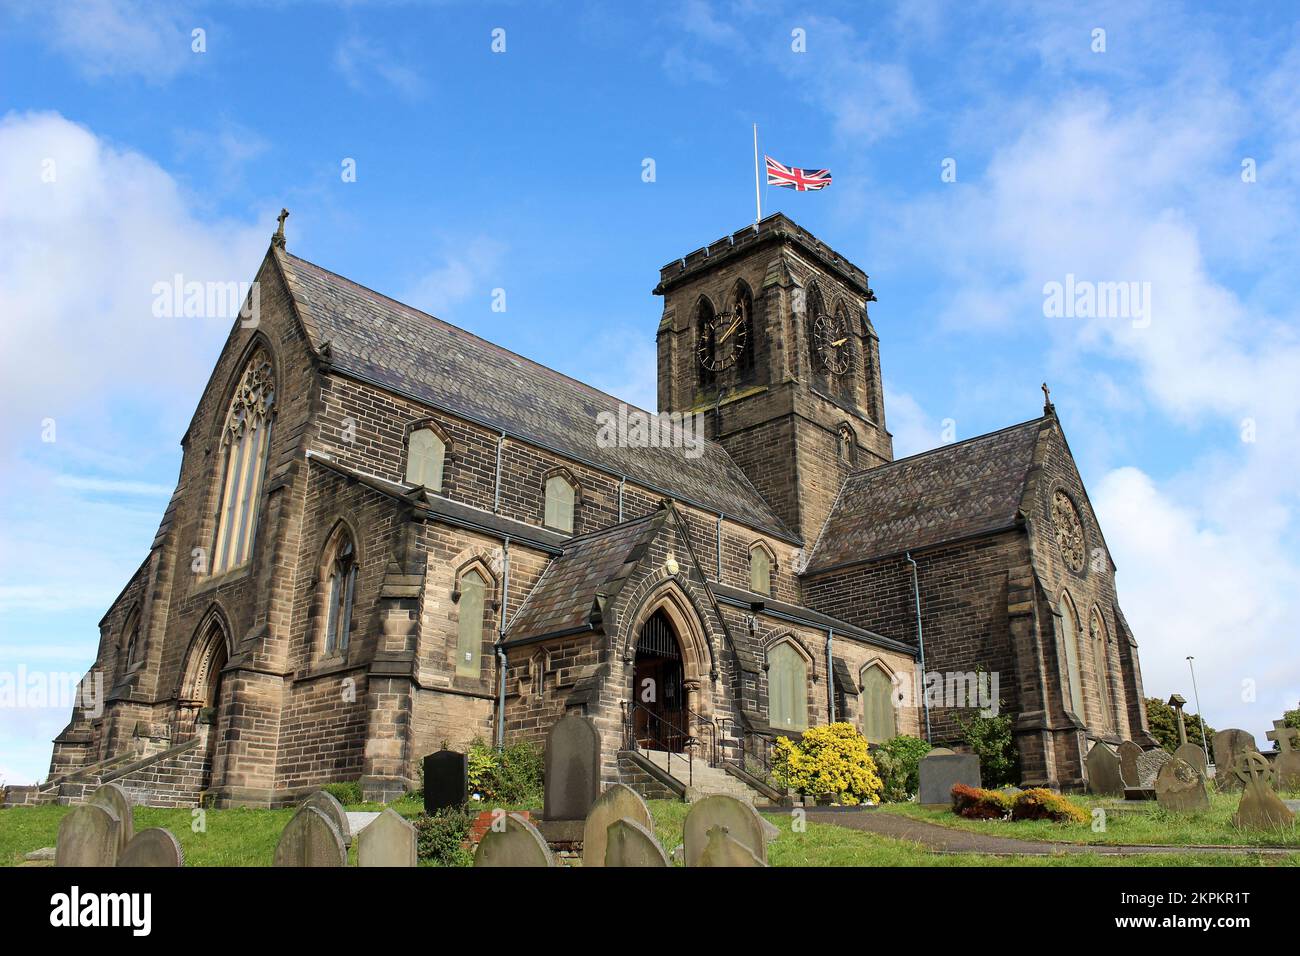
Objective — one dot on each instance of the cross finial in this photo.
(278, 238)
(1048, 407)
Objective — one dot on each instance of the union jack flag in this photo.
(792, 177)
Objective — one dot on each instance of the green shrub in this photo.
(512, 776)
(1042, 804)
(896, 761)
(828, 761)
(440, 837)
(347, 793)
(992, 740)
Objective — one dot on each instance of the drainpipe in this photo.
(830, 671)
(621, 482)
(496, 492)
(920, 641)
(501, 636)
(719, 574)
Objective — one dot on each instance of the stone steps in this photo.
(703, 780)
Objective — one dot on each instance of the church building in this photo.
(390, 536)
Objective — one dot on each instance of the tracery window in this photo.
(245, 442)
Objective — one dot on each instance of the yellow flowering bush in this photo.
(831, 760)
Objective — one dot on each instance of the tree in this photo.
(1163, 721)
(1290, 718)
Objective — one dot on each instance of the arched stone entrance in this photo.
(198, 704)
(670, 658)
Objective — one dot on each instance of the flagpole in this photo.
(758, 202)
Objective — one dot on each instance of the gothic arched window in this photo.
(425, 455)
(1101, 664)
(787, 687)
(742, 308)
(472, 591)
(1069, 639)
(342, 587)
(245, 441)
(561, 499)
(878, 721)
(131, 634)
(760, 568)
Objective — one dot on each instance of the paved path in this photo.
(951, 840)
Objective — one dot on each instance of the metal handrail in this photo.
(761, 752)
(631, 743)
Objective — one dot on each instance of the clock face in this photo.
(1069, 531)
(722, 339)
(831, 339)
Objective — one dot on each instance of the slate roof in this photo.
(400, 348)
(564, 600)
(959, 490)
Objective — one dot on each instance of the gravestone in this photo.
(111, 796)
(721, 850)
(738, 818)
(1260, 807)
(446, 780)
(1180, 787)
(153, 847)
(1194, 755)
(310, 839)
(89, 835)
(329, 805)
(1229, 745)
(516, 843)
(1148, 766)
(1104, 771)
(572, 768)
(942, 769)
(619, 802)
(1129, 752)
(1286, 765)
(628, 843)
(387, 841)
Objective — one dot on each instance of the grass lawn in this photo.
(1135, 822)
(247, 838)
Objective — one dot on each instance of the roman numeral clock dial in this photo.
(831, 338)
(722, 340)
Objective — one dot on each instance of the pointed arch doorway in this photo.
(198, 707)
(661, 716)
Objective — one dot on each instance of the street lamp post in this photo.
(1200, 715)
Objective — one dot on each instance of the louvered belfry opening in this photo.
(657, 687)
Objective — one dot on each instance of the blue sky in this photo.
(522, 171)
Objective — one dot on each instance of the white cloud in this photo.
(362, 61)
(108, 38)
(911, 427)
(111, 486)
(467, 269)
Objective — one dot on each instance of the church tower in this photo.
(766, 333)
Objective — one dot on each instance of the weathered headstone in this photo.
(1148, 766)
(1229, 745)
(1260, 807)
(329, 805)
(1104, 771)
(942, 769)
(153, 847)
(111, 796)
(515, 843)
(1194, 755)
(1180, 787)
(388, 841)
(572, 768)
(628, 843)
(446, 780)
(1129, 752)
(619, 802)
(310, 839)
(1286, 765)
(89, 835)
(721, 850)
(740, 819)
